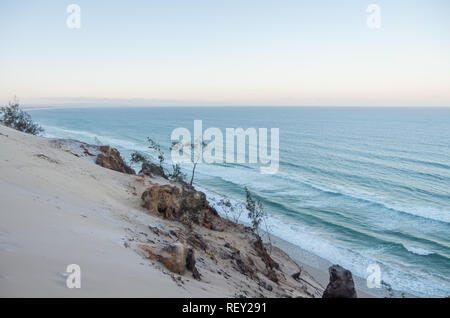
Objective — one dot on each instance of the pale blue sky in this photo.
(229, 52)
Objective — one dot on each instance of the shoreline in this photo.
(316, 266)
(60, 208)
(310, 261)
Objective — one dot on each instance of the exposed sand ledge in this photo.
(59, 209)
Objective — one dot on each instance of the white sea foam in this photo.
(240, 176)
(93, 138)
(419, 284)
(417, 250)
(419, 211)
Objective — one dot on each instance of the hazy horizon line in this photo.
(39, 107)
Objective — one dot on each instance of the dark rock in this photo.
(296, 276)
(110, 158)
(190, 264)
(151, 169)
(196, 240)
(244, 266)
(264, 285)
(224, 255)
(154, 229)
(341, 284)
(272, 275)
(86, 151)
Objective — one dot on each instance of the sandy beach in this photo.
(318, 268)
(58, 208)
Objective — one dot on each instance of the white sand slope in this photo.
(57, 209)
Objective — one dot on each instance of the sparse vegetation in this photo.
(16, 118)
(157, 148)
(257, 215)
(195, 148)
(137, 157)
(237, 216)
(231, 212)
(255, 210)
(190, 208)
(177, 174)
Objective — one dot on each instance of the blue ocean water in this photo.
(355, 186)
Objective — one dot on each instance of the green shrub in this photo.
(177, 174)
(137, 157)
(16, 118)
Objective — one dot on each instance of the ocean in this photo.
(355, 186)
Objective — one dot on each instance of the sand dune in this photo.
(58, 209)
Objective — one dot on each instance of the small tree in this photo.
(177, 174)
(255, 210)
(257, 215)
(13, 116)
(237, 216)
(157, 148)
(196, 147)
(137, 157)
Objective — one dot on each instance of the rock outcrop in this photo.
(189, 207)
(110, 158)
(245, 265)
(172, 256)
(151, 170)
(190, 264)
(217, 246)
(341, 284)
(185, 205)
(175, 257)
(191, 241)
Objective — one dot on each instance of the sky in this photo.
(225, 53)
